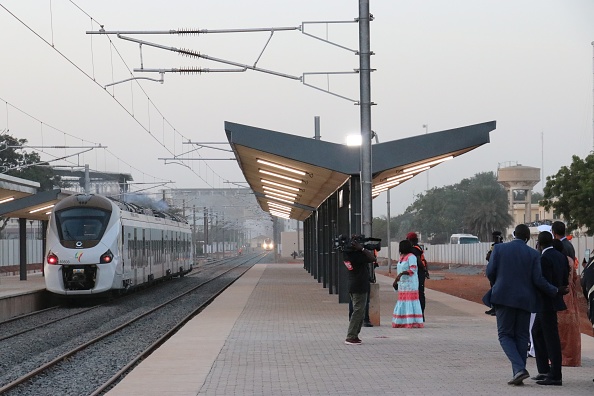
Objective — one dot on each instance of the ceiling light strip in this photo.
(280, 195)
(279, 211)
(266, 181)
(279, 191)
(408, 173)
(393, 182)
(430, 163)
(279, 199)
(279, 206)
(279, 214)
(283, 167)
(6, 200)
(40, 209)
(280, 176)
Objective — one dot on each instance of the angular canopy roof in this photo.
(292, 174)
(33, 207)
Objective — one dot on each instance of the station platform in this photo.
(19, 297)
(277, 331)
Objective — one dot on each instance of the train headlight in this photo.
(106, 257)
(52, 259)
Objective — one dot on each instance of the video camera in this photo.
(343, 243)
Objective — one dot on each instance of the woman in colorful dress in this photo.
(407, 312)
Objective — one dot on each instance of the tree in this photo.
(486, 206)
(14, 161)
(477, 205)
(400, 225)
(570, 193)
(536, 197)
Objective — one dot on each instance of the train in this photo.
(99, 245)
(268, 244)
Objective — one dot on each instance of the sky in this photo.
(526, 64)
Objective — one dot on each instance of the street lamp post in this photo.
(365, 104)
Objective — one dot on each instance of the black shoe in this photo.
(549, 381)
(490, 312)
(540, 377)
(519, 378)
(367, 324)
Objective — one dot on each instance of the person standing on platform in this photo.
(357, 259)
(515, 272)
(423, 271)
(545, 332)
(569, 320)
(588, 288)
(407, 312)
(497, 238)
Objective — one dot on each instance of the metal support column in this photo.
(343, 228)
(332, 257)
(23, 248)
(44, 224)
(365, 103)
(325, 244)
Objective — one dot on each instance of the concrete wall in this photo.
(16, 305)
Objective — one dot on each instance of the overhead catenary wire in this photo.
(65, 146)
(112, 45)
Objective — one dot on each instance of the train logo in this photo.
(78, 256)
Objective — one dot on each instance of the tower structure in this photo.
(518, 181)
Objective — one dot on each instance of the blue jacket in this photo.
(515, 272)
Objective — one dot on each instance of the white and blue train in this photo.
(97, 244)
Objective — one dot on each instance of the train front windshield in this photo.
(82, 224)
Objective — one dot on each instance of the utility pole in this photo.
(365, 103)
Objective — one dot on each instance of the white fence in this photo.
(10, 253)
(474, 254)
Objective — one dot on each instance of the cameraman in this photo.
(357, 259)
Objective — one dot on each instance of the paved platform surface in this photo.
(13, 285)
(276, 331)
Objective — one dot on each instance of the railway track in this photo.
(152, 326)
(35, 320)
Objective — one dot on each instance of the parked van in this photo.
(463, 239)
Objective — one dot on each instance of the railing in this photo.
(474, 254)
(10, 252)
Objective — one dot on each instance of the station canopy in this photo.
(291, 176)
(19, 199)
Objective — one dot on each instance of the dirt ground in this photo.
(471, 284)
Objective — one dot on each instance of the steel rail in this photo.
(81, 347)
(162, 339)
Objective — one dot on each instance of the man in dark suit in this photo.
(515, 273)
(588, 288)
(558, 230)
(545, 332)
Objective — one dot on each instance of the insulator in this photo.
(189, 52)
(184, 31)
(189, 70)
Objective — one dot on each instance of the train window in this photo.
(82, 224)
